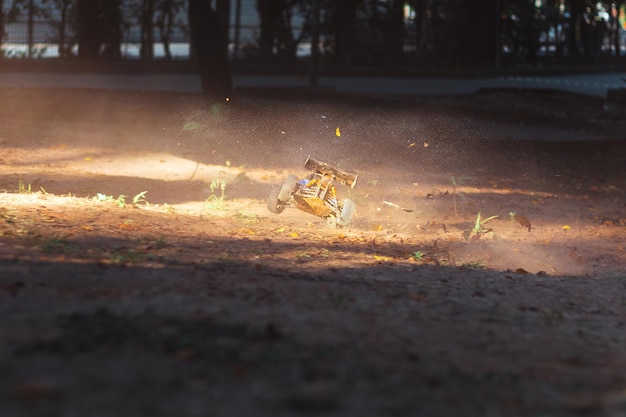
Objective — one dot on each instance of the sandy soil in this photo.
(142, 274)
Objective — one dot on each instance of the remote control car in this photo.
(316, 194)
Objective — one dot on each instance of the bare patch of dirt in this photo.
(142, 274)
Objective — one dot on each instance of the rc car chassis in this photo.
(316, 194)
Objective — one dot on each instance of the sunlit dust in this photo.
(113, 167)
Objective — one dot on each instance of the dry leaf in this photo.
(127, 226)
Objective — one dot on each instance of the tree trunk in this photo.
(344, 24)
(268, 15)
(209, 45)
(63, 49)
(89, 30)
(165, 22)
(394, 38)
(575, 26)
(147, 29)
(111, 21)
(222, 8)
(420, 19)
(1, 27)
(99, 29)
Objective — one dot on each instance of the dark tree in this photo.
(165, 21)
(420, 18)
(286, 44)
(210, 50)
(269, 16)
(88, 30)
(460, 34)
(342, 16)
(576, 26)
(147, 30)
(1, 27)
(480, 39)
(64, 9)
(111, 22)
(99, 29)
(276, 39)
(394, 34)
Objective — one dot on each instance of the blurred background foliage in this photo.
(348, 34)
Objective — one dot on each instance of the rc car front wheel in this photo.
(273, 203)
(346, 212)
(288, 187)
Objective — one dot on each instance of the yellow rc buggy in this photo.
(316, 194)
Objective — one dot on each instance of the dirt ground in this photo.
(141, 273)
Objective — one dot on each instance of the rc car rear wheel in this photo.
(288, 187)
(273, 203)
(346, 212)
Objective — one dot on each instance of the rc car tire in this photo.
(273, 203)
(288, 187)
(346, 212)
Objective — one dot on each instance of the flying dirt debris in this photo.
(316, 194)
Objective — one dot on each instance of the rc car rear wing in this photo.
(345, 177)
